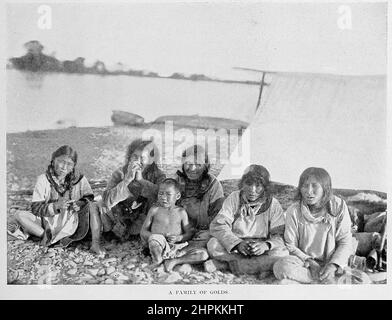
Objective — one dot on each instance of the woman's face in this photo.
(140, 156)
(62, 166)
(252, 190)
(194, 167)
(312, 191)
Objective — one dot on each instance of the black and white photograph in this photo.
(209, 150)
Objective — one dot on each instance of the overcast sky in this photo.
(209, 38)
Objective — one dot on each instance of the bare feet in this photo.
(154, 266)
(156, 254)
(169, 264)
(96, 248)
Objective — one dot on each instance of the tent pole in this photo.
(260, 92)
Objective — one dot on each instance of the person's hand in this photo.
(173, 238)
(243, 248)
(131, 171)
(314, 268)
(257, 248)
(201, 235)
(327, 273)
(75, 206)
(61, 205)
(138, 174)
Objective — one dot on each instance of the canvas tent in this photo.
(330, 121)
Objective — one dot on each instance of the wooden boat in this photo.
(197, 121)
(124, 118)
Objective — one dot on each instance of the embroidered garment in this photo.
(239, 219)
(57, 222)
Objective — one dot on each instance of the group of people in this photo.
(187, 220)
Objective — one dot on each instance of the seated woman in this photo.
(62, 207)
(317, 233)
(132, 190)
(202, 198)
(248, 231)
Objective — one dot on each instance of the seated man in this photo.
(247, 233)
(166, 228)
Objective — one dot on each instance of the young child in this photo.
(166, 228)
(317, 234)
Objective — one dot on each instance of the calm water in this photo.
(36, 102)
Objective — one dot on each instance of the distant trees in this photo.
(199, 77)
(193, 77)
(36, 61)
(177, 75)
(75, 66)
(99, 67)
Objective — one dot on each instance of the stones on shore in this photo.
(197, 278)
(184, 268)
(101, 272)
(130, 266)
(72, 272)
(110, 270)
(118, 276)
(109, 281)
(45, 261)
(12, 276)
(93, 272)
(75, 265)
(109, 261)
(88, 263)
(172, 278)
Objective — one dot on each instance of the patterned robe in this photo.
(58, 223)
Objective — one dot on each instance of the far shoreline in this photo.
(200, 78)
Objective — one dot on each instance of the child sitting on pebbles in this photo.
(166, 228)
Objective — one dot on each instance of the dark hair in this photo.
(322, 177)
(65, 151)
(72, 177)
(256, 173)
(141, 145)
(171, 182)
(194, 151)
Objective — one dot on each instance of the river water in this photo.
(39, 101)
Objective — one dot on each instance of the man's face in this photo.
(194, 166)
(252, 190)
